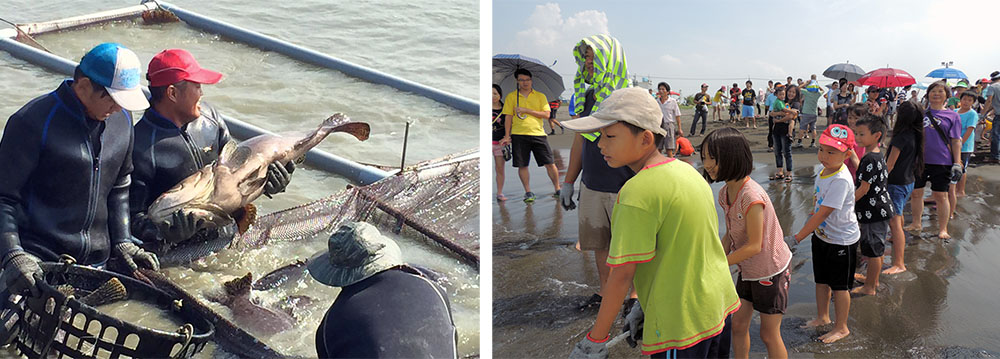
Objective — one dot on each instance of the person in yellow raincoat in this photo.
(601, 64)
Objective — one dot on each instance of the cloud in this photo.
(549, 36)
(669, 60)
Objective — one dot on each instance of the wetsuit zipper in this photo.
(193, 149)
(95, 181)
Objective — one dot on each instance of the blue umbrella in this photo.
(543, 78)
(947, 73)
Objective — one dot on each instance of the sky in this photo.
(686, 43)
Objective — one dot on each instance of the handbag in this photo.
(507, 154)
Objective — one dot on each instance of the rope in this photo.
(187, 331)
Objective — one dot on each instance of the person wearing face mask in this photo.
(175, 138)
(66, 159)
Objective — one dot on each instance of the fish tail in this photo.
(339, 122)
(240, 285)
(109, 292)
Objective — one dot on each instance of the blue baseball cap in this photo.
(117, 69)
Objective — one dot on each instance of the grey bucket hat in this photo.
(355, 252)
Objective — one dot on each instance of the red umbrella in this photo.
(887, 77)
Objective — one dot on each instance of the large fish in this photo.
(249, 313)
(237, 178)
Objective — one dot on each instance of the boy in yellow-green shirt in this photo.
(664, 241)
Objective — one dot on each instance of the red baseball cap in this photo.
(837, 136)
(175, 65)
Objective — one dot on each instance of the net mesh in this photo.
(437, 200)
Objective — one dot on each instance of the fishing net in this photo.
(437, 200)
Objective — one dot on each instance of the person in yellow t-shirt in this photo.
(675, 262)
(525, 110)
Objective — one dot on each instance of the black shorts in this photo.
(712, 347)
(938, 175)
(873, 235)
(523, 146)
(769, 296)
(834, 264)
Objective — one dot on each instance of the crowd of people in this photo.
(878, 150)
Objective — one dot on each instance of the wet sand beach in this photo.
(944, 306)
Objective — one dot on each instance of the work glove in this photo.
(566, 196)
(956, 172)
(589, 349)
(278, 177)
(21, 273)
(133, 257)
(181, 227)
(634, 319)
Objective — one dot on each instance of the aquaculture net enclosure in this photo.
(437, 200)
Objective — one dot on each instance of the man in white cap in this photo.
(664, 242)
(385, 309)
(175, 138)
(66, 159)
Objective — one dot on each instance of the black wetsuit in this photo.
(64, 179)
(392, 314)
(164, 155)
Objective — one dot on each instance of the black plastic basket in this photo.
(39, 329)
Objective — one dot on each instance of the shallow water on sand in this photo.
(942, 307)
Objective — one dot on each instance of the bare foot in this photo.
(815, 323)
(894, 270)
(944, 235)
(863, 290)
(913, 228)
(834, 335)
(859, 277)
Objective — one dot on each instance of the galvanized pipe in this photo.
(265, 42)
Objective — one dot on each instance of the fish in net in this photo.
(437, 200)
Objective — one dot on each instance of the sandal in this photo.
(501, 198)
(776, 177)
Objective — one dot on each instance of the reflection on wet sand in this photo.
(942, 307)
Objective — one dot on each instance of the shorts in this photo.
(938, 175)
(807, 122)
(900, 194)
(873, 235)
(966, 156)
(595, 218)
(711, 347)
(497, 149)
(669, 141)
(523, 146)
(834, 264)
(769, 296)
(747, 111)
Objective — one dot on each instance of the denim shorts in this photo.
(899, 194)
(747, 111)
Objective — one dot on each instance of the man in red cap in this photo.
(175, 138)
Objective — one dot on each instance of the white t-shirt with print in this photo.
(836, 191)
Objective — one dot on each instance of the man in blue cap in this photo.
(385, 309)
(66, 163)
